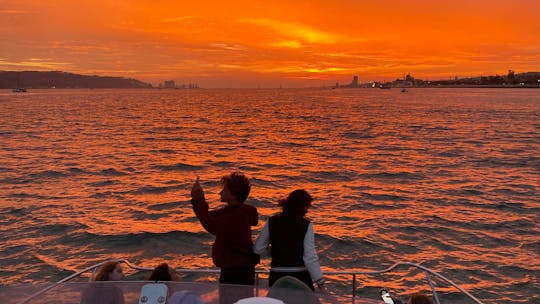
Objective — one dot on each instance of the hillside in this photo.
(57, 79)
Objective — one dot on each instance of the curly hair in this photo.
(418, 298)
(160, 273)
(296, 204)
(238, 185)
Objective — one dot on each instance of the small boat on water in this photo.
(69, 291)
(404, 90)
(385, 86)
(19, 90)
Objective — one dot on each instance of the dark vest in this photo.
(287, 239)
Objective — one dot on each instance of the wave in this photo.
(533, 246)
(292, 144)
(12, 251)
(383, 197)
(178, 167)
(357, 135)
(322, 175)
(262, 203)
(108, 194)
(178, 239)
(164, 206)
(61, 228)
(497, 162)
(508, 191)
(440, 128)
(43, 175)
(405, 176)
(75, 170)
(392, 148)
(520, 225)
(250, 168)
(111, 172)
(15, 181)
(347, 244)
(444, 173)
(153, 190)
(38, 196)
(451, 153)
(164, 151)
(365, 204)
(263, 182)
(164, 139)
(224, 164)
(14, 210)
(102, 183)
(144, 216)
(443, 246)
(47, 174)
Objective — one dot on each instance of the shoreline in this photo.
(452, 87)
(299, 88)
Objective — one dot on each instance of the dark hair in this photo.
(418, 298)
(105, 270)
(238, 185)
(296, 204)
(160, 273)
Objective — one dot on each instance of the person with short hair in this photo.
(232, 250)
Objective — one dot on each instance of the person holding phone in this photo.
(232, 250)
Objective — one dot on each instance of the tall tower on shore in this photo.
(354, 82)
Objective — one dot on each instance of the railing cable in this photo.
(352, 273)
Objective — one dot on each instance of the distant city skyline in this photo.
(277, 44)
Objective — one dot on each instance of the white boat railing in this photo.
(428, 272)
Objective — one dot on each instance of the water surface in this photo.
(444, 177)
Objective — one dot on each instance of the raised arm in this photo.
(200, 207)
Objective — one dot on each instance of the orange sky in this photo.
(271, 43)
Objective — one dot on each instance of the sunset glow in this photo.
(257, 43)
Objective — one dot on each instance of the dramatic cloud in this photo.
(237, 43)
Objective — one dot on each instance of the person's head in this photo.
(163, 273)
(236, 188)
(110, 271)
(418, 298)
(296, 204)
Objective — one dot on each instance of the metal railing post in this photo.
(435, 296)
(256, 284)
(353, 287)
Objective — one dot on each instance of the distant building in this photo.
(169, 84)
(407, 81)
(354, 83)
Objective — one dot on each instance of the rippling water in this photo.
(445, 177)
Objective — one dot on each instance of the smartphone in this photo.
(385, 295)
